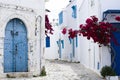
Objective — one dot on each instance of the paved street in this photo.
(61, 70)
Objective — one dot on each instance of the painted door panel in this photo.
(15, 56)
(116, 54)
(116, 49)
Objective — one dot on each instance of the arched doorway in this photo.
(15, 47)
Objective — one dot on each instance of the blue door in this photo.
(15, 47)
(115, 58)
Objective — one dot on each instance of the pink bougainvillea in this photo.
(72, 33)
(117, 18)
(48, 26)
(100, 32)
(64, 31)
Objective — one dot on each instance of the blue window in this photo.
(47, 41)
(74, 13)
(61, 17)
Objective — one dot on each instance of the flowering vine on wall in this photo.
(48, 26)
(100, 32)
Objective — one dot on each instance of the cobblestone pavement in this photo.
(61, 70)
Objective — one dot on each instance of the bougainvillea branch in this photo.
(100, 32)
(71, 33)
(48, 26)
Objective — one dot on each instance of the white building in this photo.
(21, 37)
(80, 49)
(51, 50)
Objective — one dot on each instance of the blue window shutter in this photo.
(47, 41)
(76, 41)
(74, 13)
(61, 17)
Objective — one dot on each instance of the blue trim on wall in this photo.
(76, 41)
(98, 65)
(73, 47)
(61, 17)
(105, 13)
(70, 40)
(74, 13)
(62, 41)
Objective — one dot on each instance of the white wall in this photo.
(69, 22)
(88, 52)
(91, 55)
(52, 51)
(28, 13)
(35, 4)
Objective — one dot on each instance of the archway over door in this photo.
(15, 47)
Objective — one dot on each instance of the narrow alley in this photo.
(62, 70)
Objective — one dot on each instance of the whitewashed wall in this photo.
(32, 14)
(69, 22)
(88, 52)
(96, 57)
(52, 51)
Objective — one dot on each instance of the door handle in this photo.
(16, 33)
(12, 33)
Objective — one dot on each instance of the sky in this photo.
(55, 6)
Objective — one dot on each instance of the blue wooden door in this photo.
(15, 47)
(116, 50)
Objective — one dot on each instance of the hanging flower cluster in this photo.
(72, 33)
(100, 32)
(64, 31)
(117, 18)
(48, 26)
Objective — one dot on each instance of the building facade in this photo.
(21, 37)
(86, 51)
